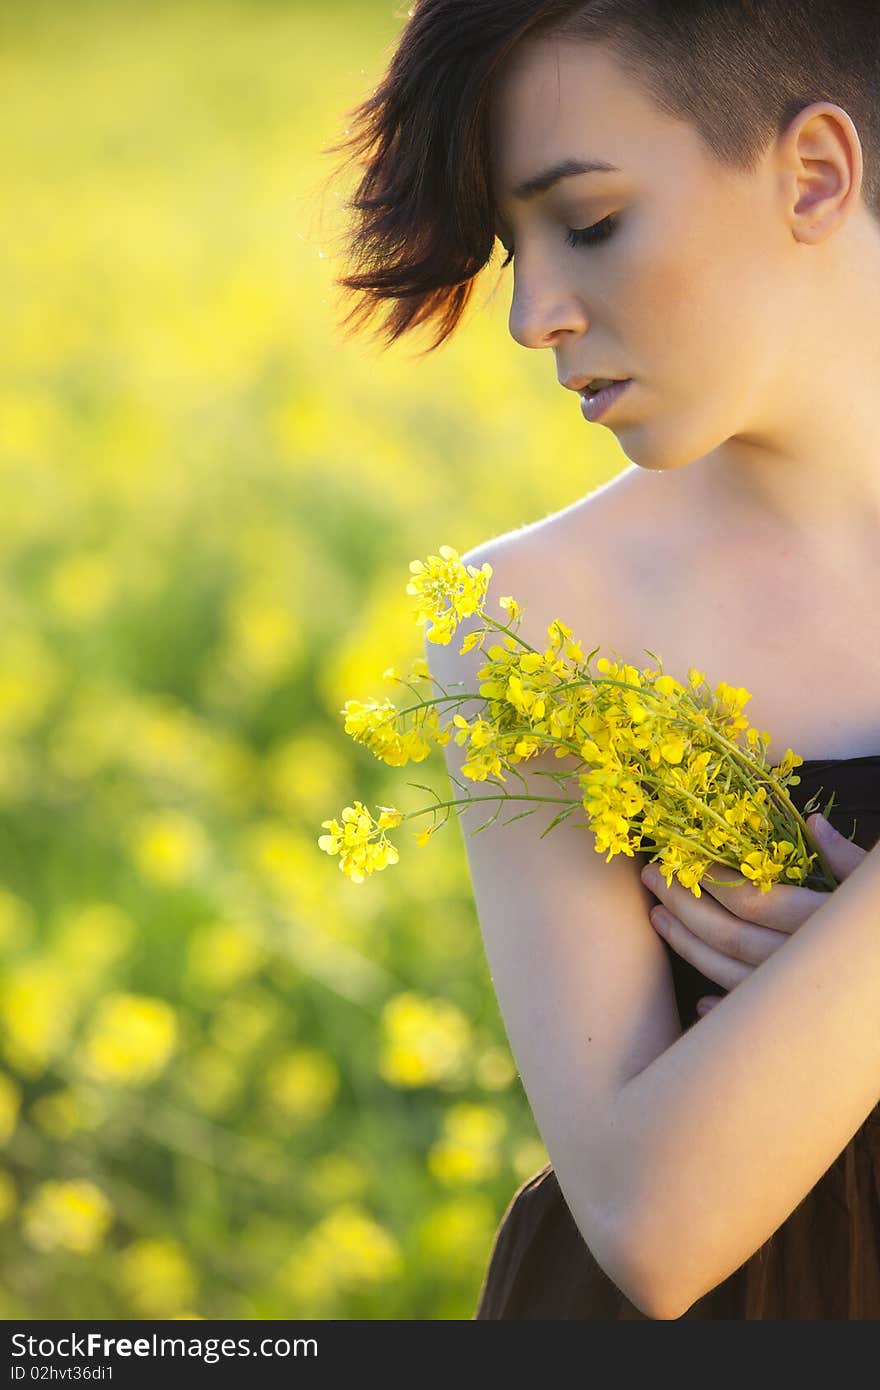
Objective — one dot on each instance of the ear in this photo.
(823, 169)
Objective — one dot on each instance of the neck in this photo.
(808, 469)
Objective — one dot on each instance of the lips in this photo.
(594, 406)
(582, 382)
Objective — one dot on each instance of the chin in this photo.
(652, 461)
(657, 446)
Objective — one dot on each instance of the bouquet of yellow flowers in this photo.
(662, 767)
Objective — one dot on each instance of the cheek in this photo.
(699, 314)
(691, 331)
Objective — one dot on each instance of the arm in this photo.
(725, 1132)
(583, 981)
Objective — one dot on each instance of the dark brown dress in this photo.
(822, 1262)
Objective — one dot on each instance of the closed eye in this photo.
(589, 236)
(579, 236)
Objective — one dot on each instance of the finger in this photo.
(783, 908)
(722, 969)
(718, 928)
(842, 855)
(707, 1003)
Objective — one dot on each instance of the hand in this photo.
(728, 934)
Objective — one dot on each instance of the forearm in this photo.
(725, 1132)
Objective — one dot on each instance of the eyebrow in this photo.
(564, 169)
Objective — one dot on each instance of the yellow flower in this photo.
(157, 1276)
(667, 685)
(131, 1039)
(673, 749)
(446, 590)
(302, 1084)
(345, 1251)
(67, 1216)
(472, 639)
(379, 728)
(666, 767)
(468, 1151)
(360, 853)
(424, 1041)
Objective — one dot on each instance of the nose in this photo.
(541, 313)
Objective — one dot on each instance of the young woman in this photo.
(690, 197)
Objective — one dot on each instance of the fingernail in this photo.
(823, 828)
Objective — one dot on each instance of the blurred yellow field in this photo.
(233, 1084)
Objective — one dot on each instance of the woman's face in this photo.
(693, 295)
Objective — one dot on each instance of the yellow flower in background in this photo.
(222, 954)
(37, 1007)
(425, 1042)
(468, 1150)
(130, 1040)
(157, 1276)
(298, 773)
(67, 1216)
(528, 1155)
(347, 1250)
(459, 1231)
(265, 637)
(168, 846)
(30, 678)
(92, 937)
(301, 1085)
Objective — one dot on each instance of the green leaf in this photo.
(561, 817)
(828, 804)
(519, 815)
(486, 824)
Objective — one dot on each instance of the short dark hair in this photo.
(737, 70)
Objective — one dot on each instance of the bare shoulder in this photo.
(582, 564)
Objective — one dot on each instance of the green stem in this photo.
(502, 796)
